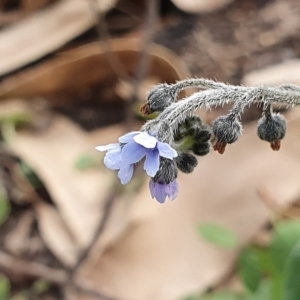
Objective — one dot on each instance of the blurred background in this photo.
(73, 76)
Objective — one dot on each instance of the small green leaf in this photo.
(291, 287)
(264, 258)
(218, 235)
(4, 206)
(40, 286)
(276, 288)
(249, 269)
(30, 175)
(4, 288)
(262, 293)
(284, 239)
(86, 161)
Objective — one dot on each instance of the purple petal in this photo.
(151, 164)
(145, 140)
(107, 147)
(126, 138)
(157, 191)
(113, 159)
(172, 190)
(125, 173)
(165, 150)
(132, 153)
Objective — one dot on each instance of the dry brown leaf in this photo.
(162, 257)
(52, 155)
(56, 234)
(45, 31)
(74, 71)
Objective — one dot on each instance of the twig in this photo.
(103, 36)
(106, 213)
(12, 265)
(144, 58)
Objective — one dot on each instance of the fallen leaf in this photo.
(52, 155)
(74, 71)
(56, 234)
(45, 31)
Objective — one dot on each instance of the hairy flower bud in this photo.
(167, 171)
(203, 136)
(227, 130)
(272, 128)
(186, 162)
(160, 97)
(201, 149)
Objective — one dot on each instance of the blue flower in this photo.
(160, 191)
(133, 147)
(141, 144)
(113, 161)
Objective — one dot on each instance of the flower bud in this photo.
(201, 149)
(167, 171)
(227, 130)
(193, 125)
(160, 97)
(186, 162)
(272, 128)
(203, 136)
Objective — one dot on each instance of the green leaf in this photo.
(30, 175)
(249, 269)
(218, 235)
(264, 258)
(4, 207)
(284, 239)
(86, 161)
(291, 287)
(262, 293)
(4, 288)
(276, 288)
(40, 286)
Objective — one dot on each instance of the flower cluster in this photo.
(171, 142)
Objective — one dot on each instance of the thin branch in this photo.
(12, 265)
(106, 213)
(103, 37)
(144, 58)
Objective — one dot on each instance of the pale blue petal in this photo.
(107, 147)
(113, 159)
(151, 164)
(145, 140)
(165, 150)
(132, 153)
(125, 173)
(157, 191)
(126, 138)
(172, 190)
